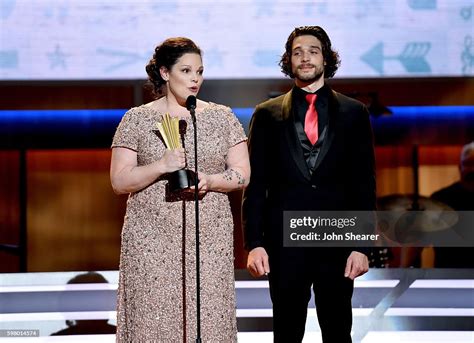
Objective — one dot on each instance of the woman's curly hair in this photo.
(166, 55)
(331, 57)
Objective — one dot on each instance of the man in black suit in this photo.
(308, 153)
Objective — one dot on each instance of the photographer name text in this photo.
(348, 236)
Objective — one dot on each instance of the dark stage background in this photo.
(56, 202)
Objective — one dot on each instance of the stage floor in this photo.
(389, 305)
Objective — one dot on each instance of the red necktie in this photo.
(311, 119)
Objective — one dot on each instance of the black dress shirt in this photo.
(300, 106)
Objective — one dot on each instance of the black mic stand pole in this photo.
(196, 205)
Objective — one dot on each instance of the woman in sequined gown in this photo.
(157, 284)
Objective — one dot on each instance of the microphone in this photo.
(191, 103)
(191, 106)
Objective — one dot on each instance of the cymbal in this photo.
(406, 202)
(402, 217)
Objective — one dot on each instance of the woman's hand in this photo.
(127, 176)
(203, 185)
(236, 176)
(173, 160)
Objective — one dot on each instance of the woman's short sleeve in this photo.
(127, 133)
(236, 131)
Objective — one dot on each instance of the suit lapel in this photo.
(332, 113)
(290, 133)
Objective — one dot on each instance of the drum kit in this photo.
(410, 221)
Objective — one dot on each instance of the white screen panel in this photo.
(113, 39)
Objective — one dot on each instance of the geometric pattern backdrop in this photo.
(114, 39)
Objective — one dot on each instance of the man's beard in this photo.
(316, 75)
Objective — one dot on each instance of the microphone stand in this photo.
(196, 205)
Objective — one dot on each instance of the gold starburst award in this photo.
(169, 129)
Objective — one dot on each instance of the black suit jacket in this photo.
(344, 177)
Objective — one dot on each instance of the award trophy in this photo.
(178, 181)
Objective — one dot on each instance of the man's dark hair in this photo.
(331, 57)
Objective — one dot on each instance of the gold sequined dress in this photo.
(157, 283)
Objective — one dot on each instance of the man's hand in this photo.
(257, 262)
(357, 265)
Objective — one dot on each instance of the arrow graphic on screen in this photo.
(214, 57)
(264, 7)
(6, 8)
(412, 57)
(8, 59)
(422, 4)
(125, 58)
(266, 58)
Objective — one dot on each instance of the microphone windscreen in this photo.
(191, 102)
